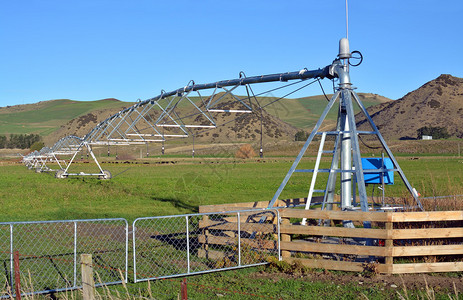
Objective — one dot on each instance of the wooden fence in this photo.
(397, 242)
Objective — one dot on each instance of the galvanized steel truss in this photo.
(170, 115)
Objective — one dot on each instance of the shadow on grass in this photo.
(177, 203)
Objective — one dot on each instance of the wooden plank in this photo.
(427, 233)
(427, 267)
(427, 250)
(225, 208)
(328, 264)
(335, 215)
(251, 227)
(224, 240)
(338, 265)
(232, 207)
(427, 216)
(302, 246)
(334, 231)
(211, 254)
(253, 205)
(384, 269)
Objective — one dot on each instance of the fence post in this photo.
(184, 290)
(285, 237)
(389, 244)
(88, 284)
(275, 223)
(205, 232)
(17, 278)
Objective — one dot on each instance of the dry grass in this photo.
(104, 292)
(427, 294)
(245, 151)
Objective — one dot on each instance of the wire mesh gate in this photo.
(49, 253)
(180, 245)
(168, 246)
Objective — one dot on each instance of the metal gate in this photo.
(171, 246)
(49, 253)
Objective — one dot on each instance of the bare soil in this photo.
(438, 282)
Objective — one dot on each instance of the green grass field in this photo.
(139, 190)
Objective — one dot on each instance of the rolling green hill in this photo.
(56, 118)
(46, 117)
(304, 112)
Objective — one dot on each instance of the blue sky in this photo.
(95, 49)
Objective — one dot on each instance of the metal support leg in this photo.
(388, 151)
(304, 149)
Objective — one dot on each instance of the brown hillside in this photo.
(438, 103)
(231, 127)
(81, 125)
(244, 127)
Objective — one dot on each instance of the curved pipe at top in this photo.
(301, 75)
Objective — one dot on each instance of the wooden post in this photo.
(275, 224)
(285, 238)
(389, 244)
(17, 278)
(206, 235)
(88, 284)
(184, 291)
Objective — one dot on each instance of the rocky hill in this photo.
(82, 125)
(242, 127)
(438, 103)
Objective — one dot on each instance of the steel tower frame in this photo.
(346, 158)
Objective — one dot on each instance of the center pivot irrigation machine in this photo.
(186, 112)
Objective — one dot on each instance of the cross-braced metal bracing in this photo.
(346, 160)
(63, 154)
(182, 113)
(186, 111)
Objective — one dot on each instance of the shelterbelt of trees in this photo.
(20, 141)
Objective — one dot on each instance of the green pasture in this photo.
(140, 190)
(45, 117)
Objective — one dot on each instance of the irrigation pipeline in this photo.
(124, 127)
(281, 77)
(122, 122)
(303, 74)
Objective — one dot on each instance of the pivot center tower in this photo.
(346, 160)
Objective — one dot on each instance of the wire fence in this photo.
(49, 253)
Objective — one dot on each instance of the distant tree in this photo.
(3, 141)
(33, 138)
(37, 146)
(22, 141)
(301, 136)
(14, 141)
(435, 132)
